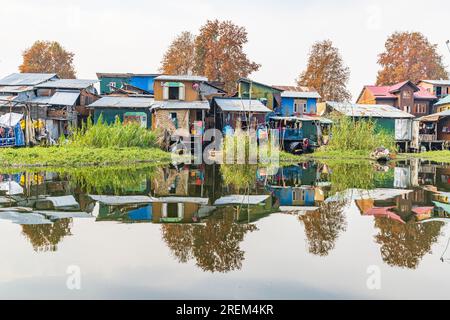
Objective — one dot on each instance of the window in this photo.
(421, 108)
(296, 194)
(406, 95)
(174, 93)
(438, 91)
(111, 85)
(300, 106)
(407, 109)
(173, 117)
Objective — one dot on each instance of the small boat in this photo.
(381, 154)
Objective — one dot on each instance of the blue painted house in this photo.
(296, 103)
(109, 81)
(301, 129)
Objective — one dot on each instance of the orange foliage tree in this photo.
(409, 56)
(326, 72)
(48, 57)
(218, 54)
(180, 56)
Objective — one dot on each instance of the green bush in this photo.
(348, 134)
(103, 135)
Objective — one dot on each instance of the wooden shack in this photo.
(434, 130)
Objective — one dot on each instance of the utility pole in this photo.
(448, 45)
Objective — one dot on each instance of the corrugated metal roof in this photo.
(246, 80)
(443, 101)
(6, 100)
(15, 89)
(368, 110)
(241, 105)
(438, 82)
(435, 116)
(240, 199)
(122, 102)
(63, 98)
(180, 105)
(124, 75)
(304, 118)
(42, 99)
(26, 79)
(60, 98)
(298, 94)
(67, 84)
(388, 91)
(293, 88)
(181, 78)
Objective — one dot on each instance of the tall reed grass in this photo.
(103, 135)
(348, 134)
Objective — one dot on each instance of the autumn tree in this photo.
(48, 57)
(409, 56)
(180, 56)
(218, 54)
(326, 72)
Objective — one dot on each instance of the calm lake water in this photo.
(360, 230)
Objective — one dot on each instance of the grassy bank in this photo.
(438, 156)
(351, 139)
(93, 144)
(79, 156)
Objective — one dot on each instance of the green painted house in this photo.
(109, 81)
(127, 109)
(386, 118)
(269, 95)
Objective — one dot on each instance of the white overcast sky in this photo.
(132, 35)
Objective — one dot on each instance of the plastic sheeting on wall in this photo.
(403, 129)
(402, 177)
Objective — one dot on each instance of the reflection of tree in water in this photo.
(215, 245)
(45, 237)
(404, 245)
(322, 227)
(179, 238)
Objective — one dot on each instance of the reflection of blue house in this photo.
(294, 185)
(294, 196)
(295, 175)
(141, 214)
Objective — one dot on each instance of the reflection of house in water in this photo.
(180, 209)
(305, 185)
(422, 173)
(184, 181)
(404, 206)
(404, 219)
(441, 201)
(148, 209)
(247, 208)
(397, 204)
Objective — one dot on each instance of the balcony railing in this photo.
(428, 137)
